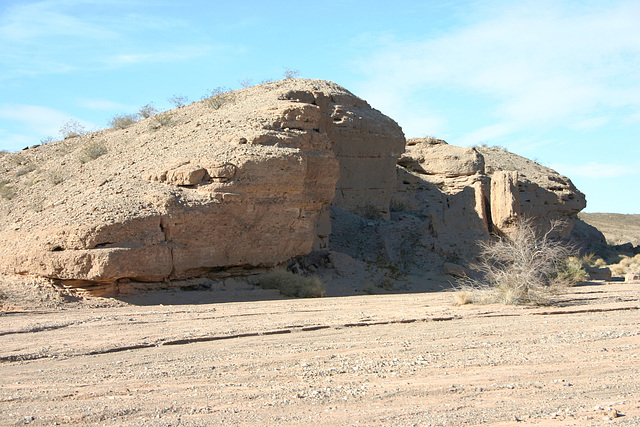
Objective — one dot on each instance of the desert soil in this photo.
(401, 359)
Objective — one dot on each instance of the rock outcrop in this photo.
(467, 193)
(238, 181)
(255, 177)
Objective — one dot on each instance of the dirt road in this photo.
(411, 359)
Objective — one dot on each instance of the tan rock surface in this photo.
(244, 184)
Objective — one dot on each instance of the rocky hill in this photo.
(253, 178)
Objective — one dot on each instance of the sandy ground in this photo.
(403, 359)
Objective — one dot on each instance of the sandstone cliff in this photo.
(237, 181)
(254, 178)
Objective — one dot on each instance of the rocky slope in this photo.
(253, 178)
(239, 180)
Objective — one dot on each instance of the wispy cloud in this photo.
(57, 36)
(540, 64)
(102, 104)
(36, 120)
(595, 170)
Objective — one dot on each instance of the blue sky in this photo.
(554, 81)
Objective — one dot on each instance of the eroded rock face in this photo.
(465, 194)
(204, 187)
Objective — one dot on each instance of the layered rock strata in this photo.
(238, 181)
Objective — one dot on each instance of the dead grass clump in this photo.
(92, 151)
(519, 269)
(147, 111)
(218, 97)
(6, 191)
(162, 119)
(72, 129)
(293, 285)
(626, 265)
(179, 101)
(123, 121)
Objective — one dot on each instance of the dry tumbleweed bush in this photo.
(519, 269)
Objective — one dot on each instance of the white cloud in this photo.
(57, 36)
(102, 104)
(40, 122)
(595, 170)
(537, 64)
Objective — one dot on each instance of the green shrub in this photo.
(6, 191)
(218, 97)
(147, 111)
(92, 151)
(123, 121)
(72, 129)
(572, 271)
(293, 285)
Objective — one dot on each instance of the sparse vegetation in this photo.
(162, 119)
(29, 167)
(369, 211)
(6, 191)
(123, 121)
(290, 73)
(520, 269)
(246, 83)
(626, 265)
(147, 111)
(47, 140)
(572, 271)
(293, 285)
(218, 97)
(179, 101)
(55, 177)
(72, 129)
(92, 151)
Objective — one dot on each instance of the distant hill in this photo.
(617, 228)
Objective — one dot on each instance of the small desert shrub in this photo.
(246, 83)
(55, 177)
(627, 264)
(572, 271)
(25, 170)
(519, 269)
(179, 101)
(162, 119)
(92, 151)
(6, 191)
(47, 140)
(72, 129)
(290, 73)
(369, 211)
(293, 285)
(123, 121)
(147, 111)
(218, 97)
